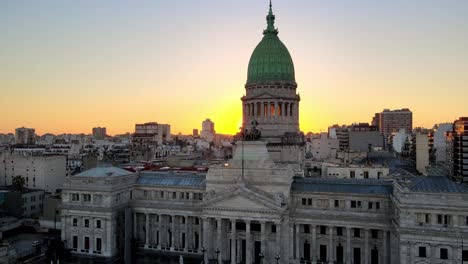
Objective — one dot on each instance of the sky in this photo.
(68, 66)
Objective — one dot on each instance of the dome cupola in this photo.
(270, 61)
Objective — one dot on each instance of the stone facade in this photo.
(252, 205)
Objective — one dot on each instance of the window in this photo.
(98, 223)
(443, 253)
(182, 195)
(86, 243)
(422, 252)
(366, 175)
(309, 201)
(377, 205)
(273, 228)
(323, 230)
(174, 195)
(439, 219)
(374, 233)
(352, 174)
(75, 242)
(304, 201)
(187, 195)
(145, 193)
(370, 205)
(339, 231)
(353, 204)
(356, 204)
(306, 229)
(75, 222)
(465, 255)
(86, 223)
(75, 197)
(359, 204)
(427, 219)
(357, 232)
(33, 198)
(466, 220)
(337, 203)
(98, 244)
(87, 197)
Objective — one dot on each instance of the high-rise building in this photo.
(208, 130)
(458, 148)
(394, 120)
(99, 133)
(376, 120)
(422, 152)
(25, 136)
(151, 133)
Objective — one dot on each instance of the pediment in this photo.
(242, 199)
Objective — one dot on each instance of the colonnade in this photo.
(268, 109)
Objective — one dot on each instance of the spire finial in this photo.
(270, 22)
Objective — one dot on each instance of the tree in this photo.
(18, 183)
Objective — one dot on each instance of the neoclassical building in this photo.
(258, 207)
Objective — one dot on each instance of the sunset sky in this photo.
(67, 66)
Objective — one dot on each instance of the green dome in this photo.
(270, 61)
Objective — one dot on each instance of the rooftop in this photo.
(436, 184)
(104, 172)
(356, 186)
(170, 178)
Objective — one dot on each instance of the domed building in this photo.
(258, 207)
(271, 102)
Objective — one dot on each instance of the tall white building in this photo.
(440, 141)
(208, 130)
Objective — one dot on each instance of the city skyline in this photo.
(179, 63)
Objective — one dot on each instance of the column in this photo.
(200, 235)
(146, 230)
(314, 243)
(233, 241)
(187, 233)
(159, 238)
(135, 234)
(205, 237)
(366, 246)
(173, 232)
(219, 242)
(278, 240)
(263, 237)
(385, 257)
(298, 241)
(248, 243)
(331, 257)
(348, 245)
(291, 245)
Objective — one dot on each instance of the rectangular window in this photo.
(87, 197)
(75, 197)
(377, 205)
(145, 193)
(439, 219)
(352, 174)
(98, 223)
(272, 109)
(273, 228)
(323, 230)
(306, 229)
(370, 205)
(86, 243)
(174, 195)
(426, 218)
(309, 201)
(339, 231)
(443, 253)
(353, 204)
(359, 204)
(304, 201)
(86, 223)
(422, 252)
(357, 232)
(465, 255)
(466, 220)
(75, 222)
(337, 203)
(374, 233)
(98, 244)
(366, 175)
(75, 242)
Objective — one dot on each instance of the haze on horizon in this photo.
(68, 66)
